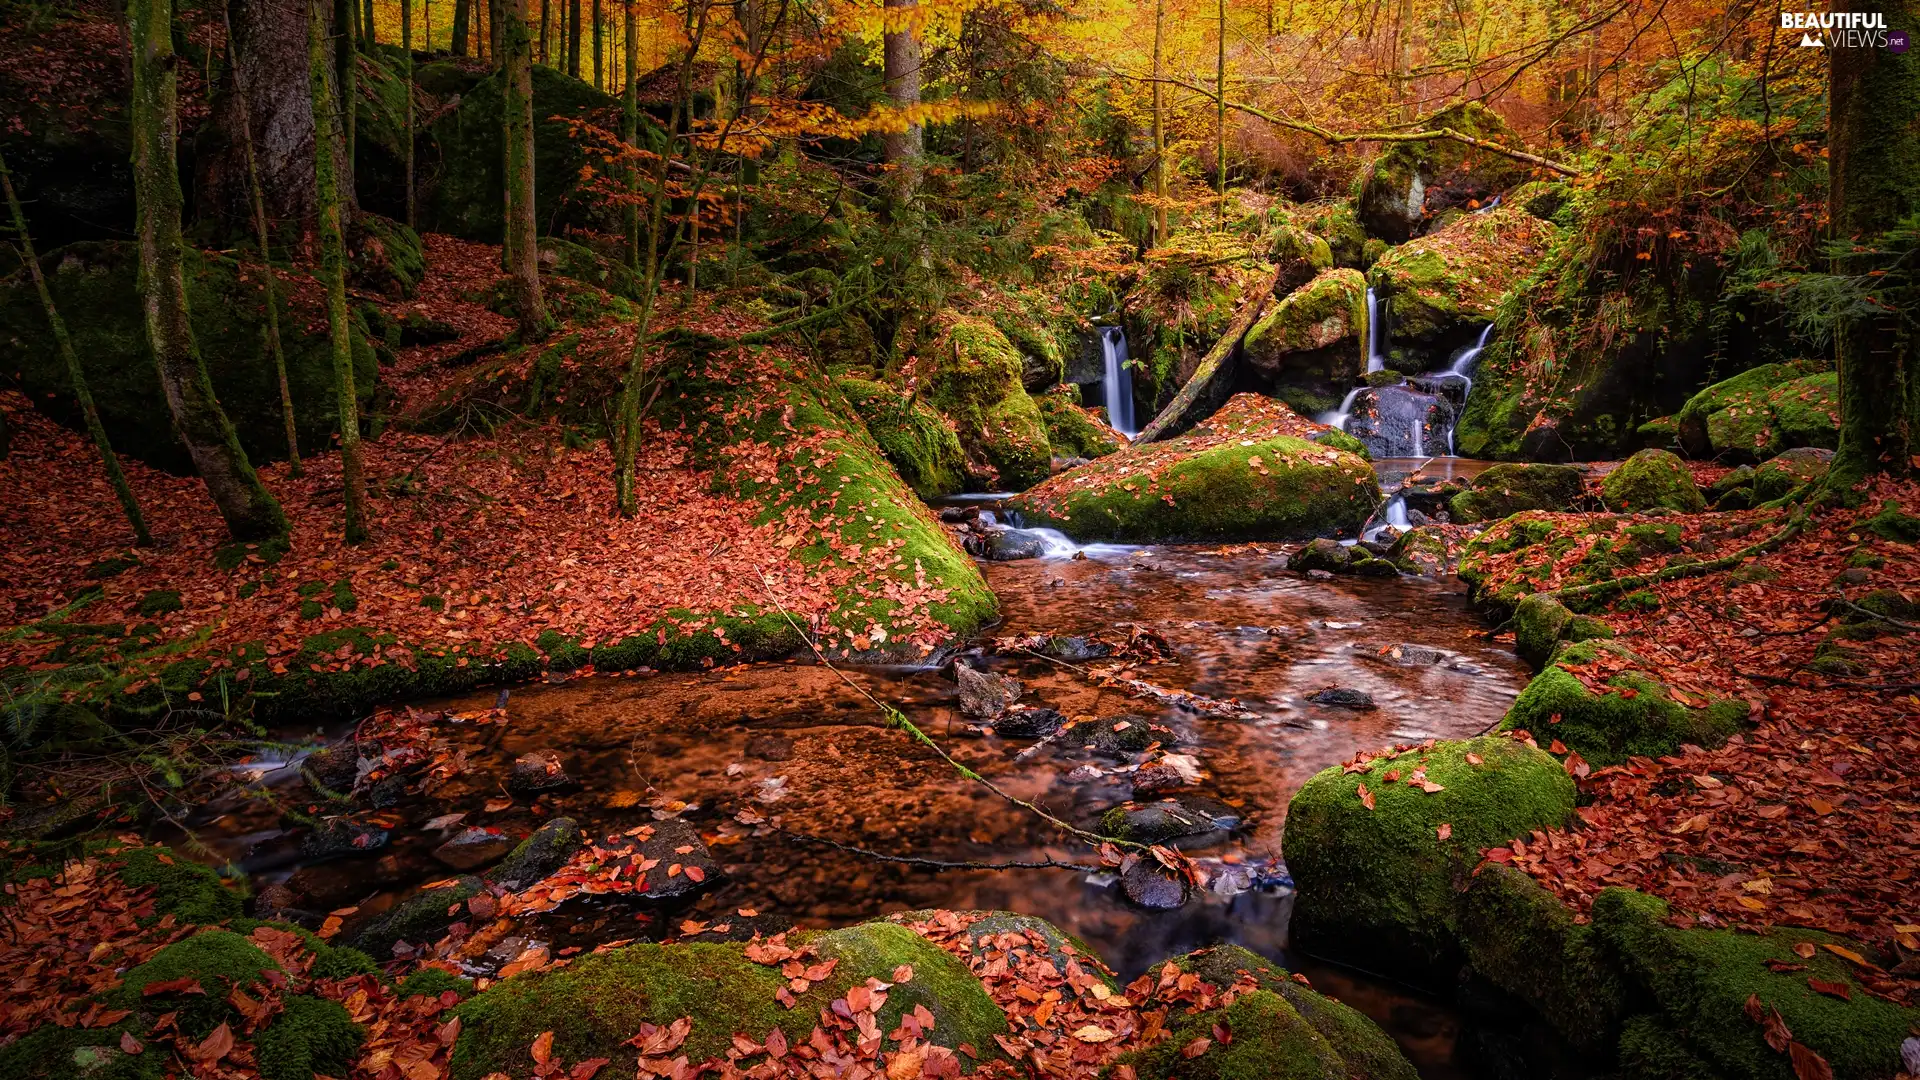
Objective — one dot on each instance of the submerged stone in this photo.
(984, 695)
(1343, 697)
(341, 837)
(1028, 723)
(1151, 886)
(1192, 818)
(537, 772)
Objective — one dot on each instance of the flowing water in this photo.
(795, 742)
(1118, 381)
(1376, 333)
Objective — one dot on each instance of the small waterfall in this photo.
(1376, 355)
(1391, 516)
(1491, 204)
(1393, 420)
(1462, 366)
(1118, 381)
(1338, 417)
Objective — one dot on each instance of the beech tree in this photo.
(333, 272)
(250, 511)
(900, 48)
(522, 247)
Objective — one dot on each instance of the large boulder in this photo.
(94, 288)
(1519, 937)
(1334, 224)
(1649, 479)
(1781, 474)
(1186, 299)
(1072, 430)
(1628, 713)
(595, 1006)
(1443, 288)
(1248, 473)
(918, 441)
(976, 382)
(1379, 872)
(1410, 183)
(1762, 411)
(1511, 487)
(1312, 346)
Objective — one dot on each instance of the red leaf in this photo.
(1831, 989)
(1808, 1065)
(1366, 800)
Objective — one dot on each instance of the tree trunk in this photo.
(1220, 118)
(546, 14)
(573, 38)
(1874, 148)
(249, 509)
(346, 60)
(406, 46)
(268, 44)
(900, 48)
(461, 14)
(367, 34)
(632, 133)
(599, 44)
(333, 272)
(522, 242)
(1159, 124)
(121, 489)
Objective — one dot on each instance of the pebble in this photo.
(538, 772)
(473, 846)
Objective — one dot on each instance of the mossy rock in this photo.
(312, 1037)
(1270, 1039)
(189, 891)
(1660, 433)
(1760, 412)
(577, 262)
(977, 384)
(93, 285)
(1379, 887)
(1300, 253)
(425, 916)
(1409, 181)
(1364, 1049)
(1702, 979)
(1806, 412)
(1421, 551)
(595, 1005)
(1011, 930)
(1232, 477)
(1541, 623)
(1070, 430)
(1335, 223)
(919, 442)
(1510, 487)
(1606, 729)
(1892, 523)
(1789, 470)
(432, 982)
(384, 256)
(1313, 341)
(1648, 479)
(1521, 938)
(1342, 441)
(1442, 287)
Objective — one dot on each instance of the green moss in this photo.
(1743, 395)
(1391, 201)
(595, 1005)
(1606, 729)
(311, 1036)
(1335, 223)
(185, 889)
(50, 1052)
(385, 256)
(1891, 523)
(1311, 346)
(580, 263)
(1070, 431)
(1421, 551)
(977, 384)
(1648, 479)
(1379, 886)
(1449, 280)
(160, 601)
(219, 961)
(1364, 1049)
(1701, 980)
(432, 982)
(113, 566)
(1342, 441)
(919, 442)
(1507, 489)
(1521, 938)
(91, 282)
(1270, 1039)
(422, 917)
(1651, 1049)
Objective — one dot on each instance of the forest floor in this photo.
(1812, 817)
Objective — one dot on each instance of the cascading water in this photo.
(1338, 417)
(1118, 381)
(1376, 356)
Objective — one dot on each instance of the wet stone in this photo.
(1005, 545)
(1077, 649)
(1168, 772)
(538, 772)
(334, 768)
(770, 746)
(539, 855)
(341, 837)
(683, 865)
(1405, 655)
(1148, 886)
(1196, 819)
(1118, 736)
(473, 846)
(1028, 723)
(1342, 697)
(955, 515)
(984, 695)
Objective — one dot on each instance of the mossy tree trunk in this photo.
(121, 489)
(268, 54)
(632, 135)
(900, 51)
(406, 46)
(346, 62)
(573, 38)
(461, 9)
(522, 240)
(1874, 145)
(250, 511)
(333, 271)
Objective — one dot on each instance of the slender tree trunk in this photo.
(546, 15)
(333, 270)
(426, 14)
(367, 34)
(121, 489)
(406, 46)
(462, 13)
(346, 64)
(632, 133)
(1159, 123)
(599, 43)
(522, 242)
(249, 509)
(1220, 117)
(900, 49)
(573, 38)
(267, 280)
(1874, 148)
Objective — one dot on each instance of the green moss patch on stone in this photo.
(1365, 1050)
(1638, 718)
(1508, 488)
(1780, 475)
(1313, 342)
(1071, 430)
(1237, 475)
(1450, 280)
(1649, 479)
(311, 1037)
(916, 439)
(976, 382)
(1270, 1039)
(1379, 886)
(1520, 937)
(185, 889)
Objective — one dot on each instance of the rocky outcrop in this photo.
(1443, 288)
(1760, 412)
(975, 380)
(1649, 479)
(1310, 348)
(1411, 183)
(917, 440)
(1509, 488)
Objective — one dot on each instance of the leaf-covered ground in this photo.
(1810, 818)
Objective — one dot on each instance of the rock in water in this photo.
(682, 863)
(539, 855)
(1343, 697)
(1194, 819)
(1028, 723)
(1152, 888)
(342, 837)
(1168, 772)
(985, 695)
(538, 772)
(471, 847)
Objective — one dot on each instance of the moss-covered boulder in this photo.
(1334, 223)
(1420, 551)
(463, 163)
(1071, 430)
(1379, 873)
(596, 1005)
(918, 441)
(1705, 984)
(1508, 488)
(1762, 411)
(1187, 297)
(976, 383)
(1541, 623)
(577, 262)
(1781, 474)
(1521, 938)
(1636, 715)
(1411, 182)
(384, 256)
(1270, 1039)
(1311, 348)
(1649, 479)
(93, 285)
(1240, 474)
(1362, 1048)
(1444, 287)
(1018, 936)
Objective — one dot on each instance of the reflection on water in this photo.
(793, 742)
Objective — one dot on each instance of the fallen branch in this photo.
(1601, 589)
(1213, 380)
